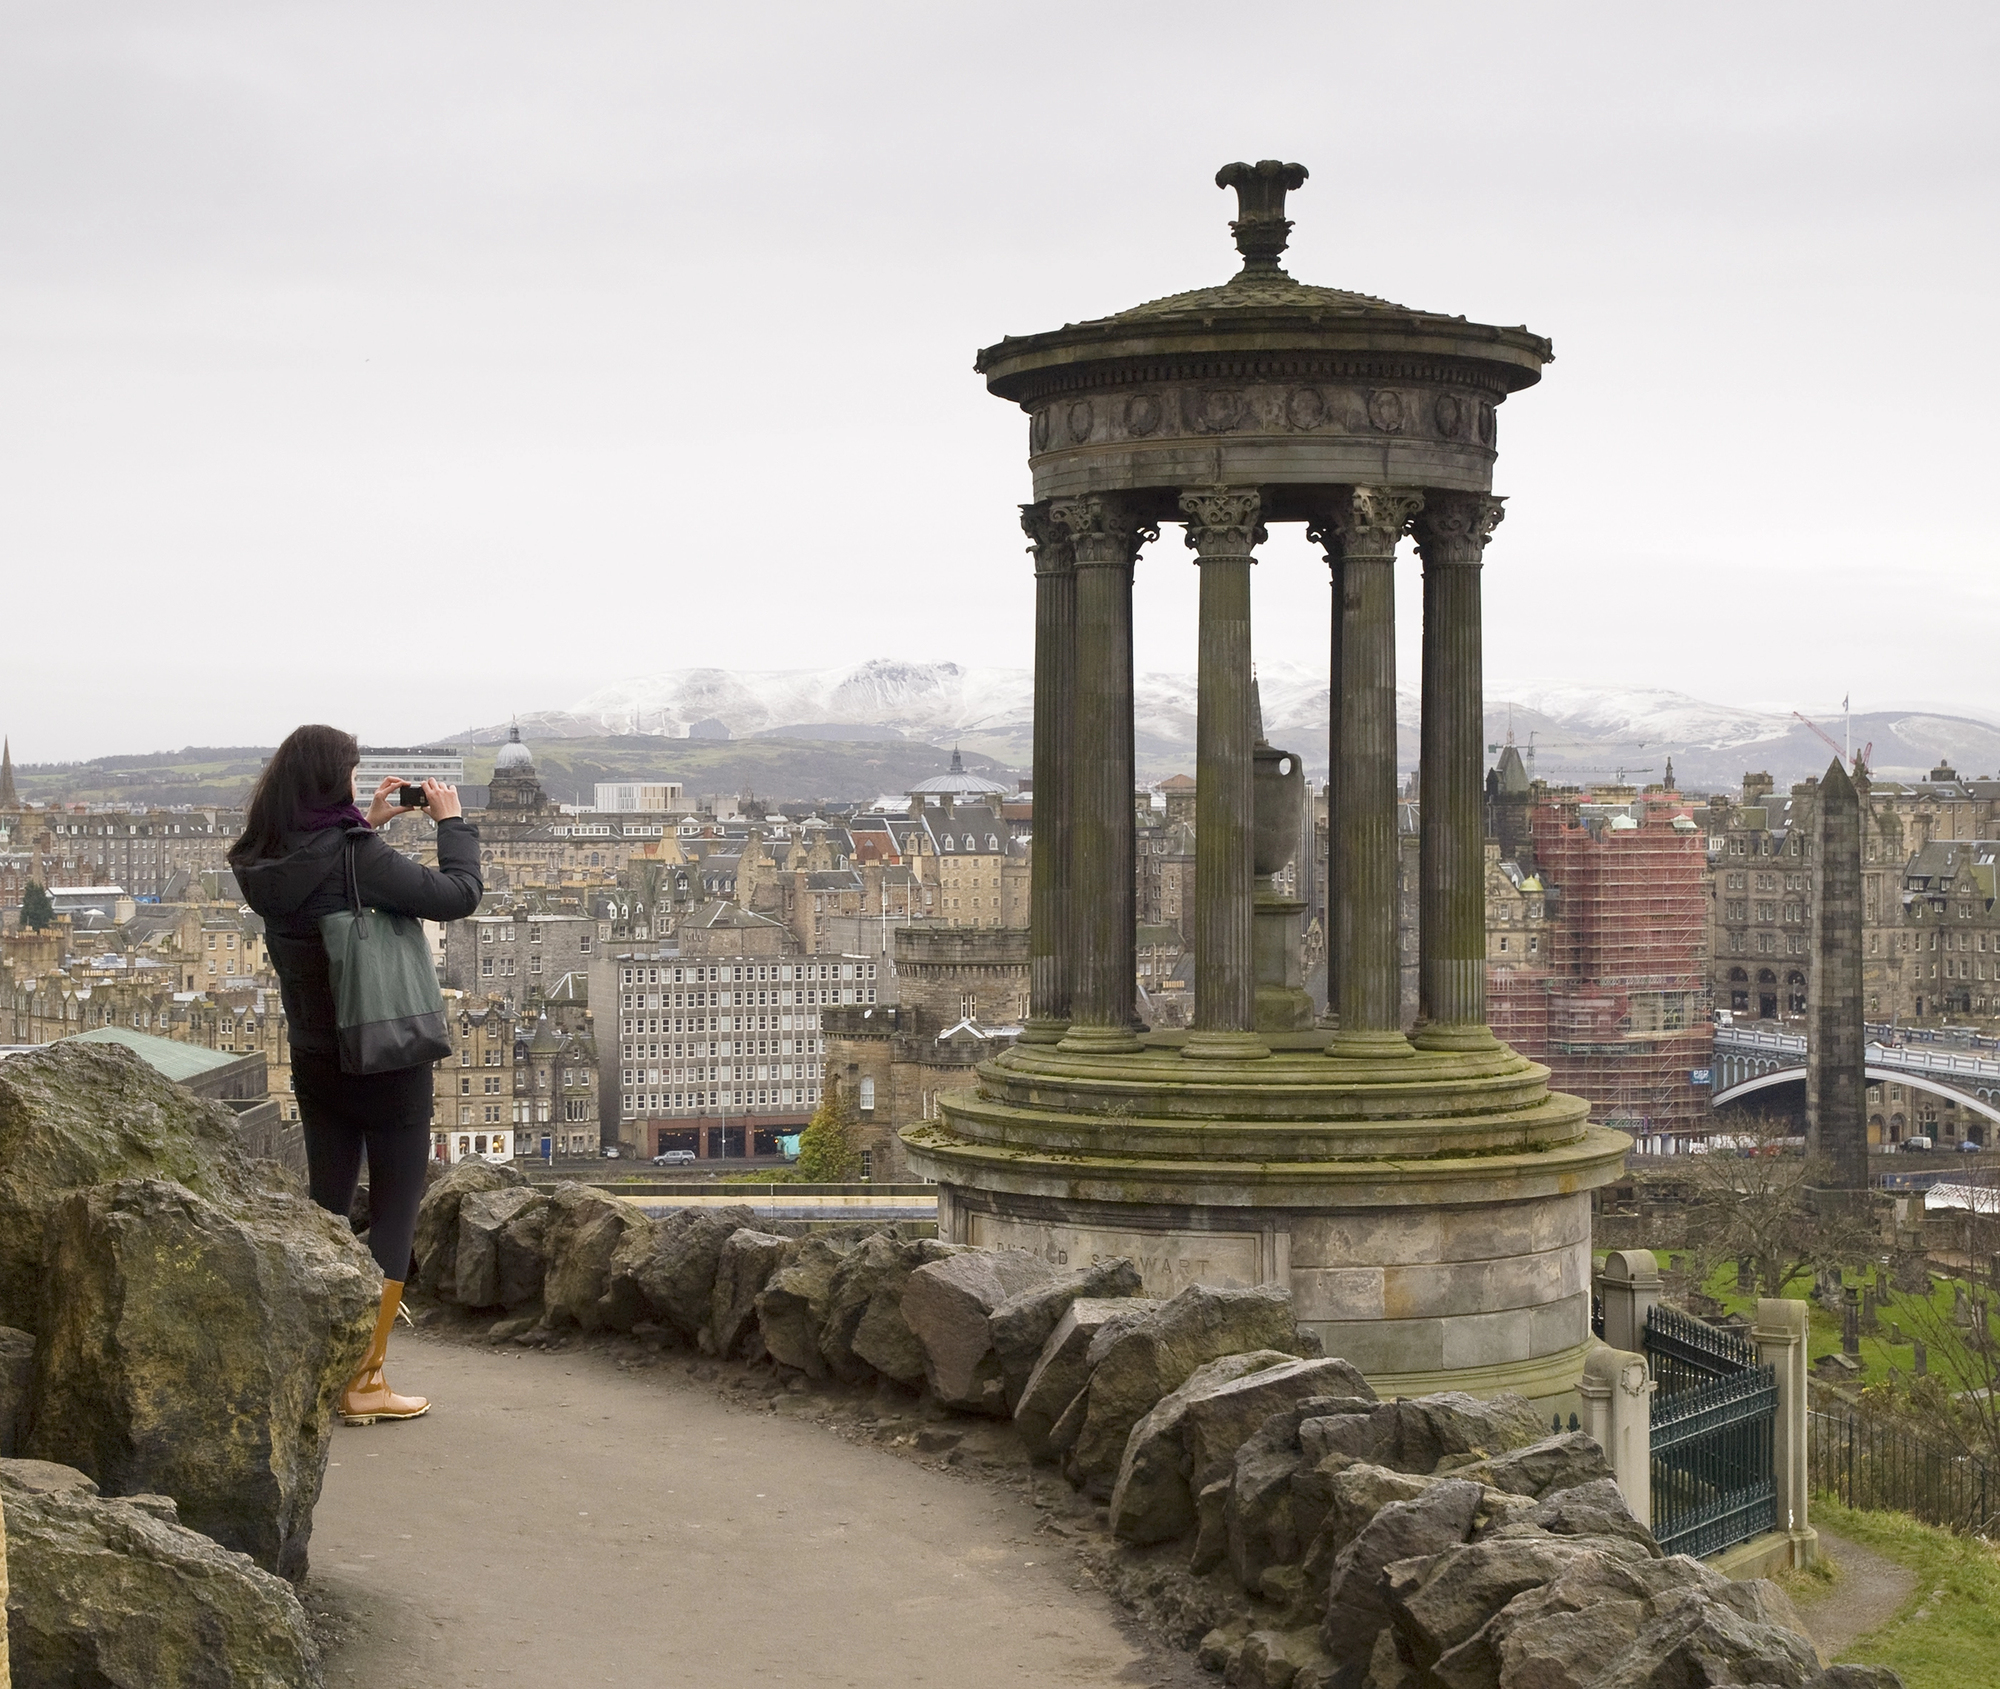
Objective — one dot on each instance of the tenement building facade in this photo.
(720, 1047)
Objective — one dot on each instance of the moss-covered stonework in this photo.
(1430, 1214)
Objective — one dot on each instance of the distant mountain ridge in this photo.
(1575, 731)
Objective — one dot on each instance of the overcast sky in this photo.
(406, 365)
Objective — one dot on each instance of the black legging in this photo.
(388, 1115)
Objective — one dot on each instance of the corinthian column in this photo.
(1324, 534)
(1223, 529)
(1051, 940)
(1452, 532)
(1105, 534)
(1368, 526)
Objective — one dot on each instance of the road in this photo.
(555, 1520)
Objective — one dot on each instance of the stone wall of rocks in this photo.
(1441, 1542)
(176, 1322)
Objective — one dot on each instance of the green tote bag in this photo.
(386, 1000)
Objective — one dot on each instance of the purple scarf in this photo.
(317, 820)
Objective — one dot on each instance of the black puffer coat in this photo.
(292, 891)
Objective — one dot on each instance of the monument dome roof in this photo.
(1261, 312)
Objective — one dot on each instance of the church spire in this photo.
(9, 799)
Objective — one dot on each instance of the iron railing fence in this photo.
(1714, 1464)
(1685, 1353)
(1863, 1462)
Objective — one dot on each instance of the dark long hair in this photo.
(312, 769)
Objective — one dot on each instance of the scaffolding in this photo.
(1623, 1008)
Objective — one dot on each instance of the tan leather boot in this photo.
(368, 1397)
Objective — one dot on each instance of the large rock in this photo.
(676, 1274)
(864, 1317)
(1542, 1468)
(1191, 1437)
(793, 1306)
(948, 1305)
(1021, 1325)
(882, 1338)
(1594, 1509)
(1568, 1631)
(1695, 1638)
(1276, 1500)
(1430, 1429)
(743, 1266)
(1450, 1601)
(586, 1230)
(17, 1367)
(1063, 1367)
(436, 1241)
(1357, 1601)
(117, 1595)
(197, 1354)
(1133, 1368)
(74, 1115)
(501, 1234)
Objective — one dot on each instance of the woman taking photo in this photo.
(291, 866)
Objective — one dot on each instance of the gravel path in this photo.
(1868, 1593)
(555, 1519)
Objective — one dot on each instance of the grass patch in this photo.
(1947, 1635)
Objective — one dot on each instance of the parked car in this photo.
(674, 1158)
(1970, 1146)
(610, 1152)
(1915, 1145)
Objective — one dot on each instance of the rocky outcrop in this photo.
(586, 1230)
(498, 1260)
(1134, 1366)
(1021, 1326)
(17, 1367)
(115, 1593)
(675, 1274)
(1063, 1368)
(1191, 1438)
(743, 1266)
(198, 1353)
(793, 1306)
(864, 1330)
(949, 1305)
(436, 1241)
(74, 1115)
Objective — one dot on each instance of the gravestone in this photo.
(1919, 1360)
(1850, 1322)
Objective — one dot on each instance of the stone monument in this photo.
(1420, 1190)
(1836, 1039)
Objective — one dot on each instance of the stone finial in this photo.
(1260, 225)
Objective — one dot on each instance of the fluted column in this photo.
(1105, 535)
(1323, 533)
(1452, 531)
(1368, 526)
(1051, 939)
(1223, 529)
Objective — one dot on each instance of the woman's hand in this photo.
(384, 807)
(441, 801)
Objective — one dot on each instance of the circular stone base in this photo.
(1429, 1211)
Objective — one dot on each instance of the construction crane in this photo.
(1827, 740)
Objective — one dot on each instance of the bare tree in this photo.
(1756, 1197)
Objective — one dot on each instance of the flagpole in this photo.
(1847, 705)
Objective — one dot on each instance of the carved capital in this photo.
(1223, 521)
(1048, 544)
(1368, 524)
(1104, 530)
(1454, 527)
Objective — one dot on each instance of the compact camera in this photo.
(410, 797)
